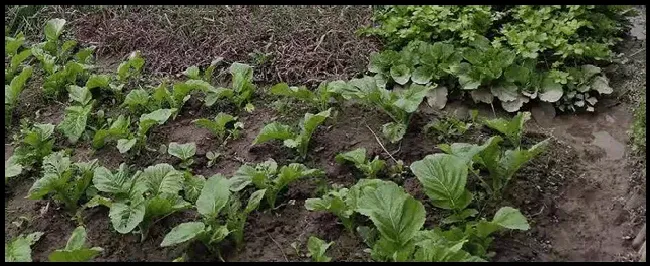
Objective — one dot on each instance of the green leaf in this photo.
(79, 255)
(510, 218)
(410, 99)
(422, 75)
(19, 250)
(126, 215)
(192, 187)
(400, 74)
(300, 93)
(12, 92)
(135, 98)
(393, 131)
(163, 178)
(124, 145)
(182, 151)
(396, 214)
(12, 168)
(512, 129)
(13, 44)
(513, 160)
(84, 55)
(182, 233)
(77, 239)
(506, 92)
(214, 196)
(550, 91)
(80, 94)
(601, 85)
(192, 72)
(159, 117)
(308, 125)
(357, 156)
(274, 131)
(254, 200)
(443, 177)
(317, 249)
(56, 172)
(212, 95)
(74, 122)
(98, 81)
(54, 28)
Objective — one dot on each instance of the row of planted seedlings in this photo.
(138, 199)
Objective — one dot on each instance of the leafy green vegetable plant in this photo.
(184, 152)
(290, 138)
(317, 248)
(358, 157)
(338, 202)
(75, 118)
(512, 129)
(132, 67)
(13, 90)
(142, 199)
(320, 98)
(242, 88)
(146, 122)
(236, 217)
(14, 54)
(267, 176)
(223, 123)
(213, 198)
(74, 250)
(36, 143)
(67, 182)
(399, 104)
(19, 248)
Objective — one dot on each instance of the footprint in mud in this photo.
(614, 149)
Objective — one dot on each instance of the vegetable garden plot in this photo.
(214, 165)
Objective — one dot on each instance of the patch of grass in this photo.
(638, 128)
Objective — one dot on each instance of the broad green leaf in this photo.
(512, 129)
(182, 151)
(601, 85)
(104, 180)
(300, 93)
(214, 196)
(506, 92)
(74, 122)
(274, 131)
(98, 81)
(400, 74)
(393, 131)
(159, 117)
(254, 200)
(84, 55)
(550, 91)
(357, 156)
(124, 145)
(192, 72)
(77, 239)
(212, 95)
(80, 94)
(308, 125)
(192, 187)
(19, 249)
(396, 214)
(126, 215)
(510, 218)
(54, 28)
(13, 90)
(460, 217)
(410, 99)
(513, 160)
(317, 248)
(78, 255)
(135, 98)
(12, 168)
(163, 178)
(56, 172)
(13, 44)
(182, 233)
(422, 75)
(437, 97)
(443, 177)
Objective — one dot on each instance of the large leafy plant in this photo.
(399, 104)
(146, 122)
(213, 198)
(15, 55)
(19, 248)
(184, 152)
(13, 90)
(74, 250)
(267, 176)
(291, 138)
(358, 157)
(512, 129)
(236, 216)
(338, 202)
(221, 124)
(65, 181)
(36, 143)
(241, 91)
(142, 199)
(76, 116)
(320, 98)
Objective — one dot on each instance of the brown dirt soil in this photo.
(584, 197)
